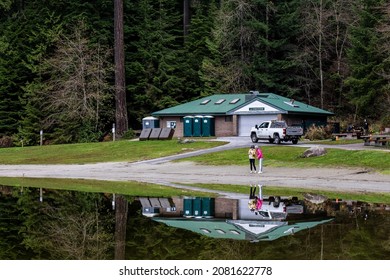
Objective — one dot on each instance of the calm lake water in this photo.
(52, 224)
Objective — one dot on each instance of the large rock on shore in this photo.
(314, 152)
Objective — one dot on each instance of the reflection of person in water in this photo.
(255, 202)
(252, 198)
(252, 194)
(259, 201)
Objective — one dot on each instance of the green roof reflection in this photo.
(240, 229)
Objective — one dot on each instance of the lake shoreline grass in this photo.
(132, 188)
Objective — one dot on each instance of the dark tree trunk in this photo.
(186, 16)
(121, 121)
(121, 208)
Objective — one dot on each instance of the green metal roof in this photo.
(290, 105)
(206, 106)
(225, 104)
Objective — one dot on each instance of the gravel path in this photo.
(178, 174)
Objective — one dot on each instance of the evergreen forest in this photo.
(57, 67)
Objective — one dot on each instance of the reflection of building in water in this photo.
(227, 218)
(232, 219)
(225, 208)
(240, 229)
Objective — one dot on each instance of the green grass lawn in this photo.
(334, 142)
(129, 151)
(279, 156)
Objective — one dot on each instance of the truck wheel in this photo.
(295, 141)
(276, 139)
(254, 138)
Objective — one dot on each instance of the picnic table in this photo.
(376, 140)
(347, 135)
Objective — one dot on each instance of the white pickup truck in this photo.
(276, 132)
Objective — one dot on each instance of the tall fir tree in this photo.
(153, 41)
(364, 59)
(383, 69)
(195, 49)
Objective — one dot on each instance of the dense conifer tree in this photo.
(364, 60)
(290, 47)
(153, 40)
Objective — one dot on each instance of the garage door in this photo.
(246, 122)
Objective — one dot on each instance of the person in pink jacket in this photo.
(259, 155)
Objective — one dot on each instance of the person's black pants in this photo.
(252, 163)
(252, 194)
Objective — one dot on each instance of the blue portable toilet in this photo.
(188, 122)
(150, 122)
(208, 126)
(198, 120)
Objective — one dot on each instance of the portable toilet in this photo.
(198, 120)
(188, 207)
(188, 122)
(197, 207)
(208, 207)
(208, 126)
(150, 122)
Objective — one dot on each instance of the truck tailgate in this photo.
(294, 130)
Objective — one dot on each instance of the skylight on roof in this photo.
(234, 101)
(291, 103)
(220, 101)
(204, 102)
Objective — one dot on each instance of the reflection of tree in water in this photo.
(76, 236)
(74, 225)
(11, 221)
(66, 225)
(121, 210)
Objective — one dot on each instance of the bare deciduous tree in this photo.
(315, 18)
(78, 84)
